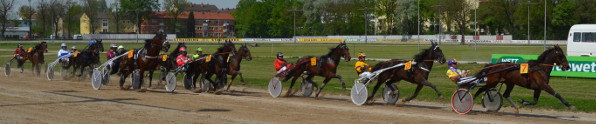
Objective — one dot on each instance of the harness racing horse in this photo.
(418, 74)
(212, 64)
(325, 66)
(146, 60)
(537, 78)
(169, 63)
(234, 64)
(86, 57)
(35, 55)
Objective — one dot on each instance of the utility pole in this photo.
(418, 24)
(366, 25)
(529, 3)
(440, 33)
(544, 43)
(294, 36)
(217, 30)
(30, 15)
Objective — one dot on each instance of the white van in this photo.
(582, 40)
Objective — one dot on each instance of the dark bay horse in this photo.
(88, 57)
(418, 74)
(215, 63)
(234, 64)
(169, 63)
(146, 59)
(537, 78)
(325, 66)
(35, 55)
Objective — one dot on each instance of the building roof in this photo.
(198, 15)
(101, 15)
(201, 8)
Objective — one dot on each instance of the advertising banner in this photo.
(580, 66)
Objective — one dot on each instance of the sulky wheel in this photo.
(136, 80)
(389, 96)
(188, 81)
(105, 76)
(96, 79)
(492, 100)
(306, 87)
(205, 84)
(462, 101)
(358, 93)
(275, 87)
(50, 73)
(7, 69)
(171, 82)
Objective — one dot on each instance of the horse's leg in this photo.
(123, 77)
(371, 98)
(536, 96)
(150, 77)
(241, 78)
(343, 84)
(322, 86)
(418, 88)
(141, 77)
(425, 82)
(233, 74)
(550, 90)
(506, 95)
(194, 79)
(309, 78)
(294, 78)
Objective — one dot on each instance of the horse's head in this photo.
(99, 45)
(437, 53)
(160, 40)
(560, 58)
(245, 52)
(230, 47)
(44, 46)
(343, 50)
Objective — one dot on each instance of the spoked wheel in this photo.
(96, 79)
(306, 87)
(50, 72)
(359, 93)
(188, 81)
(171, 82)
(7, 69)
(275, 87)
(492, 100)
(136, 80)
(389, 96)
(205, 85)
(462, 101)
(105, 76)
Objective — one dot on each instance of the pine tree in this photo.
(191, 24)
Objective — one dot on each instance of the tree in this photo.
(5, 7)
(138, 9)
(25, 12)
(406, 17)
(43, 19)
(71, 22)
(90, 8)
(175, 8)
(458, 11)
(190, 25)
(57, 11)
(387, 8)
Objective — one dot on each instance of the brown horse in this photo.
(217, 65)
(325, 66)
(88, 57)
(35, 56)
(418, 74)
(537, 78)
(234, 64)
(146, 60)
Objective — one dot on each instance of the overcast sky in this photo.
(219, 3)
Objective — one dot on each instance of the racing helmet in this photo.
(63, 45)
(19, 45)
(120, 47)
(361, 54)
(182, 49)
(113, 45)
(452, 61)
(280, 54)
(200, 49)
(73, 47)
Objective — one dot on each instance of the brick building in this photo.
(207, 24)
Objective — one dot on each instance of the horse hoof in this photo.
(516, 111)
(218, 92)
(142, 90)
(571, 107)
(400, 104)
(441, 98)
(404, 100)
(197, 91)
(231, 91)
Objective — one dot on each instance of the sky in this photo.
(219, 3)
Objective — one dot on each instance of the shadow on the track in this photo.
(119, 100)
(475, 112)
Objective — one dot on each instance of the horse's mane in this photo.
(38, 46)
(148, 43)
(420, 56)
(544, 54)
(331, 51)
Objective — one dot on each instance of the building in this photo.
(207, 24)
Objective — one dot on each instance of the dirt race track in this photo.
(24, 99)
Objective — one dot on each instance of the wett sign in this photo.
(580, 66)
